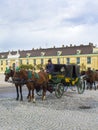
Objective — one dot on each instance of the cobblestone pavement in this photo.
(66, 113)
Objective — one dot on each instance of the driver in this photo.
(49, 66)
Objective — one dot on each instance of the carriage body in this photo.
(63, 77)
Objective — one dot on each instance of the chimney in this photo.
(62, 46)
(91, 44)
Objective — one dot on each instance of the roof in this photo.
(68, 50)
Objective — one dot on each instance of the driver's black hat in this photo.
(49, 60)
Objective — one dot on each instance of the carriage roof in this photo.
(57, 67)
(71, 70)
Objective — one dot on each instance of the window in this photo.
(1, 62)
(1, 68)
(78, 60)
(42, 53)
(78, 52)
(20, 62)
(27, 61)
(59, 53)
(6, 62)
(88, 60)
(42, 61)
(28, 55)
(68, 60)
(34, 61)
(58, 60)
(14, 65)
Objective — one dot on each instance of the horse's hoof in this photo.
(43, 99)
(95, 89)
(87, 88)
(34, 101)
(28, 97)
(17, 99)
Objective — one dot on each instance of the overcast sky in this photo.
(27, 24)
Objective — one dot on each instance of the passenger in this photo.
(49, 67)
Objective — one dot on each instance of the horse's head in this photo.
(89, 73)
(90, 76)
(8, 73)
(82, 72)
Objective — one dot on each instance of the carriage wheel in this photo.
(81, 86)
(59, 90)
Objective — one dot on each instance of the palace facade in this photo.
(83, 55)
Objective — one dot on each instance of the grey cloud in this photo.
(32, 23)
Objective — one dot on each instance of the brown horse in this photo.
(10, 74)
(91, 78)
(34, 81)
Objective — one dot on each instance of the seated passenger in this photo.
(49, 67)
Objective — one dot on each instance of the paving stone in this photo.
(52, 114)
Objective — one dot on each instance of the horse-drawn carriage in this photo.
(63, 77)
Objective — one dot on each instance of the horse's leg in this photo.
(28, 96)
(91, 84)
(17, 91)
(87, 85)
(44, 91)
(21, 97)
(95, 85)
(30, 88)
(33, 97)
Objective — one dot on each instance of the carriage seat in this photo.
(53, 75)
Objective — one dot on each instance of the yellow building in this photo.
(83, 55)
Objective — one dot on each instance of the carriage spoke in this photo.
(59, 90)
